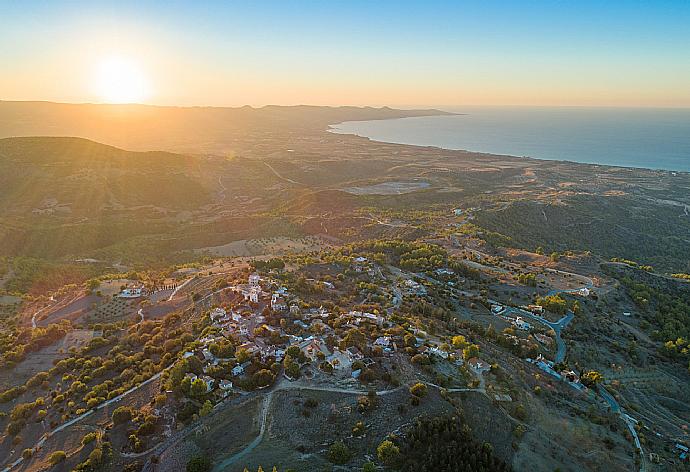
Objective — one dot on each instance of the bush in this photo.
(419, 390)
(388, 453)
(122, 415)
(88, 437)
(339, 453)
(57, 457)
(27, 453)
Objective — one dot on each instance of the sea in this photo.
(652, 138)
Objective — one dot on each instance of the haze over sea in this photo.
(653, 138)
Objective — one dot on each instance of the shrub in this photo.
(57, 457)
(419, 390)
(88, 437)
(122, 415)
(339, 453)
(388, 453)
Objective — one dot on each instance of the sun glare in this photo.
(120, 80)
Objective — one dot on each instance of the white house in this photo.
(135, 292)
(519, 323)
(537, 309)
(254, 280)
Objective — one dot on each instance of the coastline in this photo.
(392, 134)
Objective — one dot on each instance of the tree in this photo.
(122, 415)
(57, 457)
(206, 408)
(199, 464)
(198, 389)
(388, 453)
(242, 355)
(459, 341)
(591, 378)
(470, 351)
(339, 453)
(263, 378)
(419, 390)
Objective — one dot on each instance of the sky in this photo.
(406, 54)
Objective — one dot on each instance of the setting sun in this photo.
(121, 80)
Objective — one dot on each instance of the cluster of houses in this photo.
(247, 324)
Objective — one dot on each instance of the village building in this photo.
(254, 280)
(134, 292)
(478, 365)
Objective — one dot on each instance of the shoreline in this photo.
(333, 129)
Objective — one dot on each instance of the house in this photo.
(542, 338)
(536, 309)
(438, 352)
(571, 376)
(497, 309)
(519, 323)
(312, 346)
(238, 370)
(254, 295)
(478, 365)
(254, 280)
(135, 292)
(301, 324)
(278, 302)
(218, 314)
(209, 382)
(383, 341)
(583, 292)
(444, 271)
(225, 386)
(294, 309)
(457, 212)
(208, 356)
(354, 353)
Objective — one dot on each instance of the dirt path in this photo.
(280, 176)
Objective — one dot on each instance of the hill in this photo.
(180, 129)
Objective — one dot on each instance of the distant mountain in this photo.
(54, 175)
(180, 129)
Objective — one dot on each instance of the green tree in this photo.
(388, 453)
(198, 389)
(591, 378)
(206, 408)
(470, 351)
(419, 390)
(57, 457)
(121, 415)
(339, 453)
